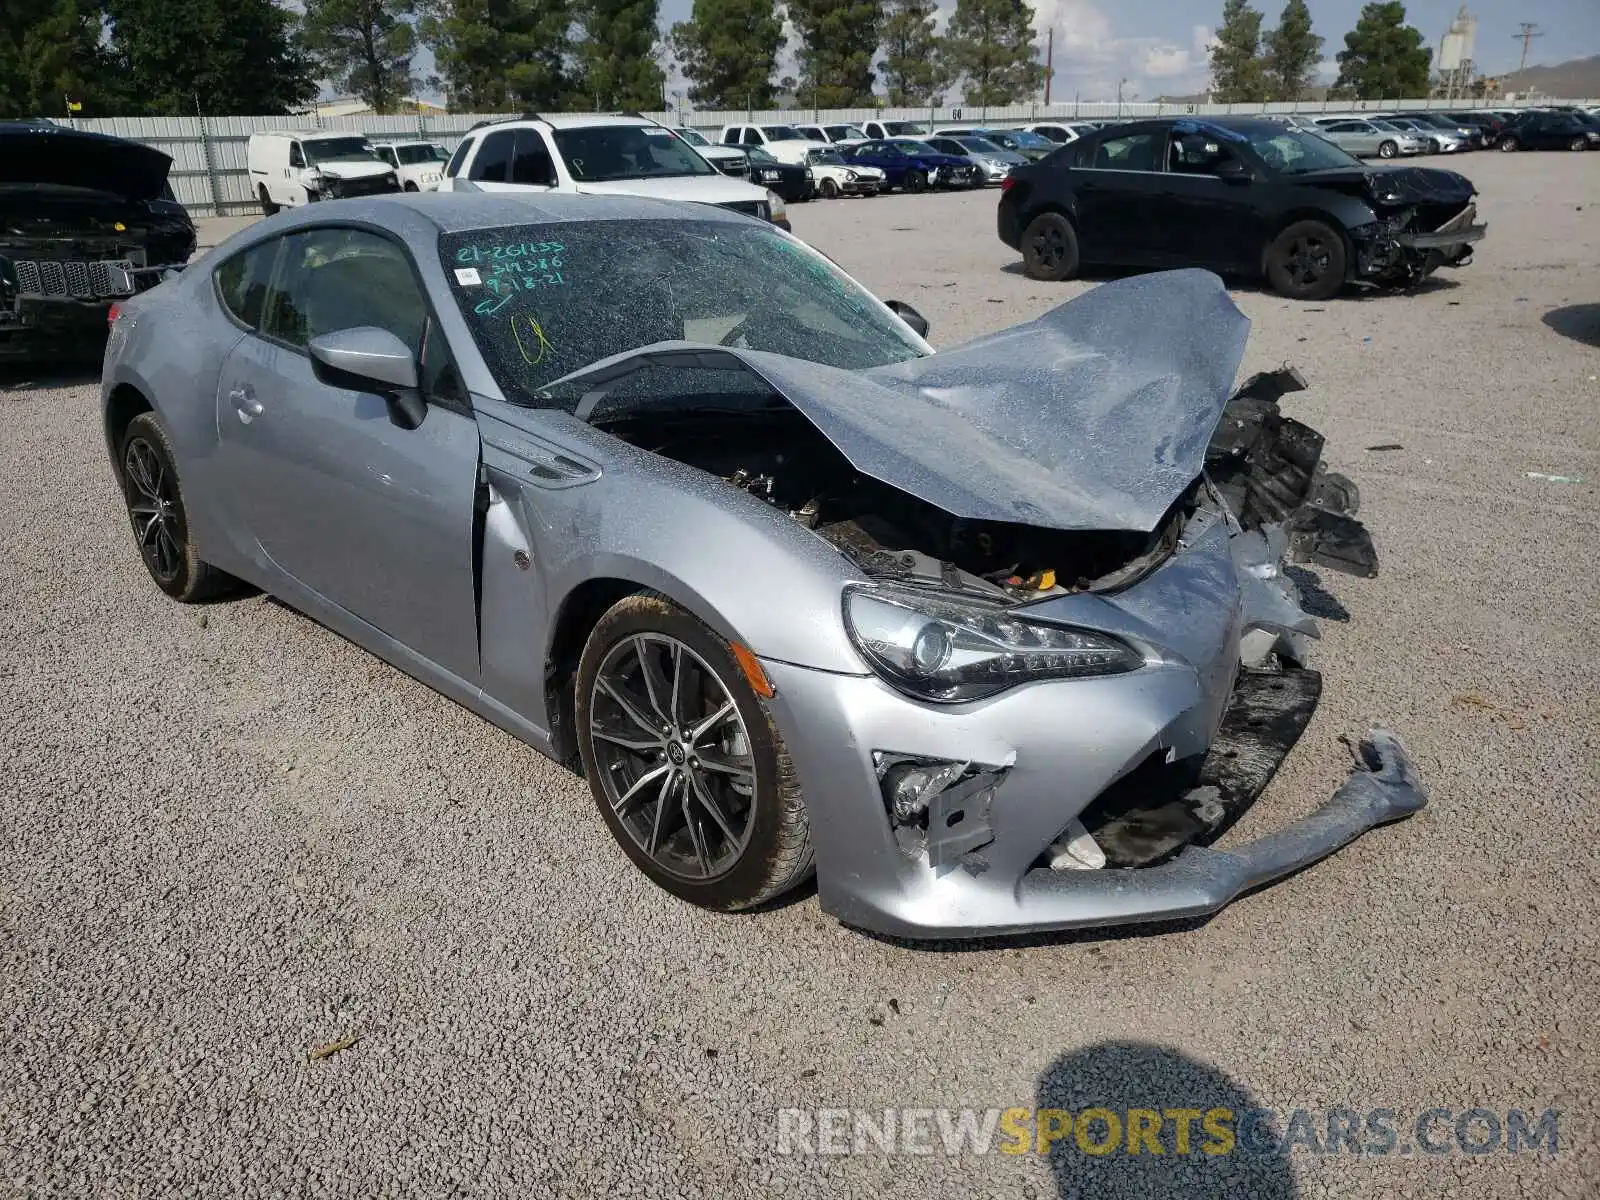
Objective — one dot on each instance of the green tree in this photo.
(364, 47)
(838, 41)
(912, 56)
(222, 57)
(1292, 52)
(49, 51)
(728, 50)
(1238, 75)
(989, 44)
(617, 54)
(1383, 57)
(499, 55)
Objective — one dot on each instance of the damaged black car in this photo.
(85, 220)
(1242, 197)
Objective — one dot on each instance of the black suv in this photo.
(84, 220)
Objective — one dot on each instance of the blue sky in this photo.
(1159, 46)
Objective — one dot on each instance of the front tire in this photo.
(410, 187)
(1050, 248)
(268, 208)
(1578, 143)
(154, 498)
(830, 190)
(686, 766)
(1307, 261)
(916, 182)
(1388, 149)
(1508, 144)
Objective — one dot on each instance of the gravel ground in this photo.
(227, 837)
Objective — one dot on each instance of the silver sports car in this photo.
(993, 639)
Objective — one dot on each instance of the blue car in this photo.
(914, 166)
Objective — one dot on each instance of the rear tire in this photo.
(1578, 144)
(916, 182)
(1387, 150)
(268, 208)
(1050, 248)
(1307, 261)
(726, 836)
(1508, 143)
(154, 497)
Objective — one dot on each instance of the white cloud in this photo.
(1091, 59)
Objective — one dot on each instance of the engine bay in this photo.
(778, 456)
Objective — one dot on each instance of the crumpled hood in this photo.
(1399, 185)
(353, 168)
(1095, 416)
(71, 158)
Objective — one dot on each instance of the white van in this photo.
(784, 142)
(288, 169)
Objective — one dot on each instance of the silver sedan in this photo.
(670, 497)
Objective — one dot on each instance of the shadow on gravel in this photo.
(16, 377)
(1225, 1150)
(1317, 600)
(1580, 322)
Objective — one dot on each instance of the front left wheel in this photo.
(685, 763)
(154, 498)
(1307, 261)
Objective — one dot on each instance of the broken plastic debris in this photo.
(1540, 475)
(1387, 446)
(333, 1048)
(1076, 850)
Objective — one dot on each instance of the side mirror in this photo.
(369, 359)
(1231, 170)
(918, 322)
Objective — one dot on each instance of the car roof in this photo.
(426, 214)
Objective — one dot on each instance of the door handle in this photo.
(245, 404)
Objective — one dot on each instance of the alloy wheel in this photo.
(153, 508)
(1049, 247)
(1306, 261)
(674, 756)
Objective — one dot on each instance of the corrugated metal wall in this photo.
(210, 174)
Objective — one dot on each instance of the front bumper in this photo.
(1046, 755)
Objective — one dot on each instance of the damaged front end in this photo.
(1425, 219)
(1072, 579)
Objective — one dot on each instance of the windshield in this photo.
(693, 138)
(1026, 138)
(601, 152)
(981, 145)
(783, 133)
(846, 132)
(898, 128)
(1291, 152)
(410, 156)
(338, 149)
(827, 158)
(543, 301)
(912, 146)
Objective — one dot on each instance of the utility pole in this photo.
(1526, 32)
(1049, 61)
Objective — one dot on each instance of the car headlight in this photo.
(769, 176)
(776, 211)
(949, 649)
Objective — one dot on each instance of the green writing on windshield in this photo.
(475, 255)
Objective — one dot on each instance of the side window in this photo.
(532, 163)
(391, 157)
(1131, 152)
(1196, 154)
(242, 281)
(330, 279)
(752, 136)
(493, 161)
(459, 157)
(730, 137)
(297, 156)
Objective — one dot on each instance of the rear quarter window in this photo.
(242, 282)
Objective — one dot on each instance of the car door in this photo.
(1118, 183)
(1213, 216)
(371, 517)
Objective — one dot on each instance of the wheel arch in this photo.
(124, 402)
(575, 618)
(1339, 224)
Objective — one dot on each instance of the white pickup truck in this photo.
(784, 142)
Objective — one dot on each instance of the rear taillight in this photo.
(113, 313)
(1007, 184)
